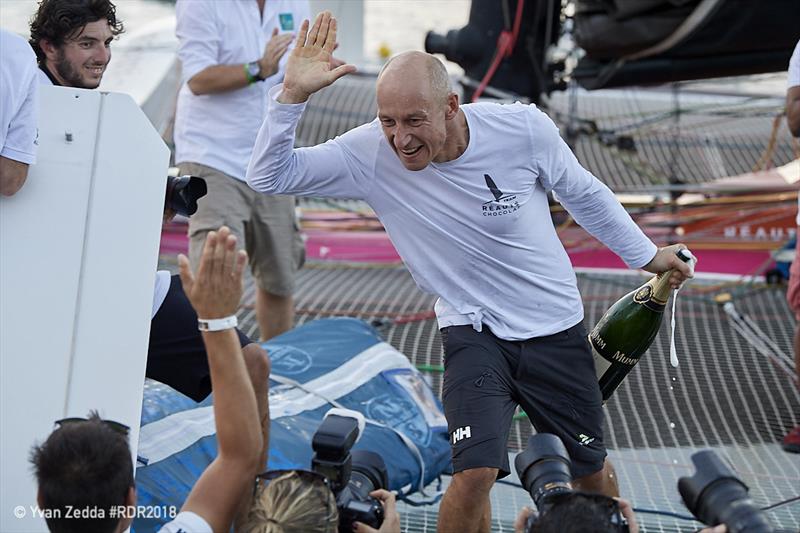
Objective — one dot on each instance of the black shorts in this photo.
(176, 355)
(552, 378)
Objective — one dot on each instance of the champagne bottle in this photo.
(628, 328)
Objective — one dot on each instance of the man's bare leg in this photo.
(465, 507)
(275, 313)
(603, 481)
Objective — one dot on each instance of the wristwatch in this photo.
(253, 71)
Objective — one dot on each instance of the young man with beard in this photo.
(72, 41)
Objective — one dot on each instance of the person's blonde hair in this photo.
(292, 504)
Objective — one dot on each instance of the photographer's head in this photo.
(85, 465)
(72, 40)
(544, 469)
(578, 513)
(293, 501)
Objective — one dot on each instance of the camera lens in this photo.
(716, 496)
(544, 469)
(368, 474)
(183, 192)
(436, 43)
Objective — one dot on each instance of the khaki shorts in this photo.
(265, 224)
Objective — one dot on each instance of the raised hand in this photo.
(216, 289)
(273, 52)
(309, 66)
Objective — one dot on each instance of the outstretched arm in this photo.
(308, 68)
(215, 292)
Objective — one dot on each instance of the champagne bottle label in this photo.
(655, 293)
(601, 364)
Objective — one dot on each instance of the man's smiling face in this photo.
(82, 59)
(412, 118)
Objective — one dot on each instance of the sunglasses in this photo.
(120, 428)
(308, 476)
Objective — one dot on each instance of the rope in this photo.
(745, 327)
(766, 156)
(505, 47)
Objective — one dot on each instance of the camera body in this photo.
(544, 470)
(351, 475)
(183, 192)
(714, 495)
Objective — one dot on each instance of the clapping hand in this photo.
(309, 68)
(273, 52)
(215, 290)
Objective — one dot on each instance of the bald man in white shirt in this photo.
(462, 193)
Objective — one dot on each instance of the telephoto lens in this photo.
(544, 469)
(714, 495)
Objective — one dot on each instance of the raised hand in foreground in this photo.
(308, 68)
(215, 290)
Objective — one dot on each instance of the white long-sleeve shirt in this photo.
(475, 231)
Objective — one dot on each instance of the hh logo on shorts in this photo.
(460, 434)
(286, 21)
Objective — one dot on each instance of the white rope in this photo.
(757, 339)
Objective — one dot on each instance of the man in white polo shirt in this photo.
(232, 54)
(18, 110)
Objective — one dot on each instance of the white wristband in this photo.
(217, 324)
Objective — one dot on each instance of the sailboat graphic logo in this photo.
(500, 204)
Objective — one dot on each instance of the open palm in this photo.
(308, 68)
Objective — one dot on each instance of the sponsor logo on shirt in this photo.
(286, 21)
(501, 204)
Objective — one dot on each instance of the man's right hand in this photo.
(309, 66)
(276, 47)
(391, 518)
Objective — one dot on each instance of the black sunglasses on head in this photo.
(305, 475)
(120, 428)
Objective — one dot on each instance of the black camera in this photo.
(544, 470)
(183, 192)
(714, 495)
(351, 475)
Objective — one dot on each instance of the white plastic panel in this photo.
(78, 252)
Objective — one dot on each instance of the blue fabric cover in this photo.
(395, 395)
